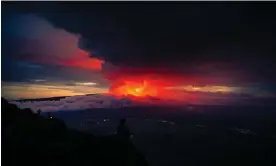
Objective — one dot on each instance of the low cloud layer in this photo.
(82, 102)
(73, 103)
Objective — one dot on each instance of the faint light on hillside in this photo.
(165, 121)
(244, 131)
(86, 83)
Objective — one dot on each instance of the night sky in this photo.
(196, 50)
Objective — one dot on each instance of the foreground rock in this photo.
(30, 139)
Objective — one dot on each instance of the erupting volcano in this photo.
(135, 88)
(139, 83)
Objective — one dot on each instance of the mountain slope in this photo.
(31, 139)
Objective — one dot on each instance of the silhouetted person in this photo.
(49, 115)
(38, 112)
(123, 132)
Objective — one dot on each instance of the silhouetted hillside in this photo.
(43, 99)
(30, 139)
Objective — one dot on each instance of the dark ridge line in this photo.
(48, 98)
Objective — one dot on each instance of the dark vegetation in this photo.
(31, 139)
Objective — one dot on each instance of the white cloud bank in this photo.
(75, 103)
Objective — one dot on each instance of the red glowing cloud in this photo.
(44, 43)
(82, 60)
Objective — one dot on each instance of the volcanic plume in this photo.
(140, 83)
(137, 82)
(138, 87)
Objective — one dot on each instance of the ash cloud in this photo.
(208, 44)
(216, 44)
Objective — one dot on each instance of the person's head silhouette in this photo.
(123, 121)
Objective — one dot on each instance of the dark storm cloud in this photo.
(228, 43)
(34, 49)
(19, 71)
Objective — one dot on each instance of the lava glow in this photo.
(175, 88)
(134, 88)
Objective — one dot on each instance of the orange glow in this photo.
(135, 88)
(140, 84)
(29, 90)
